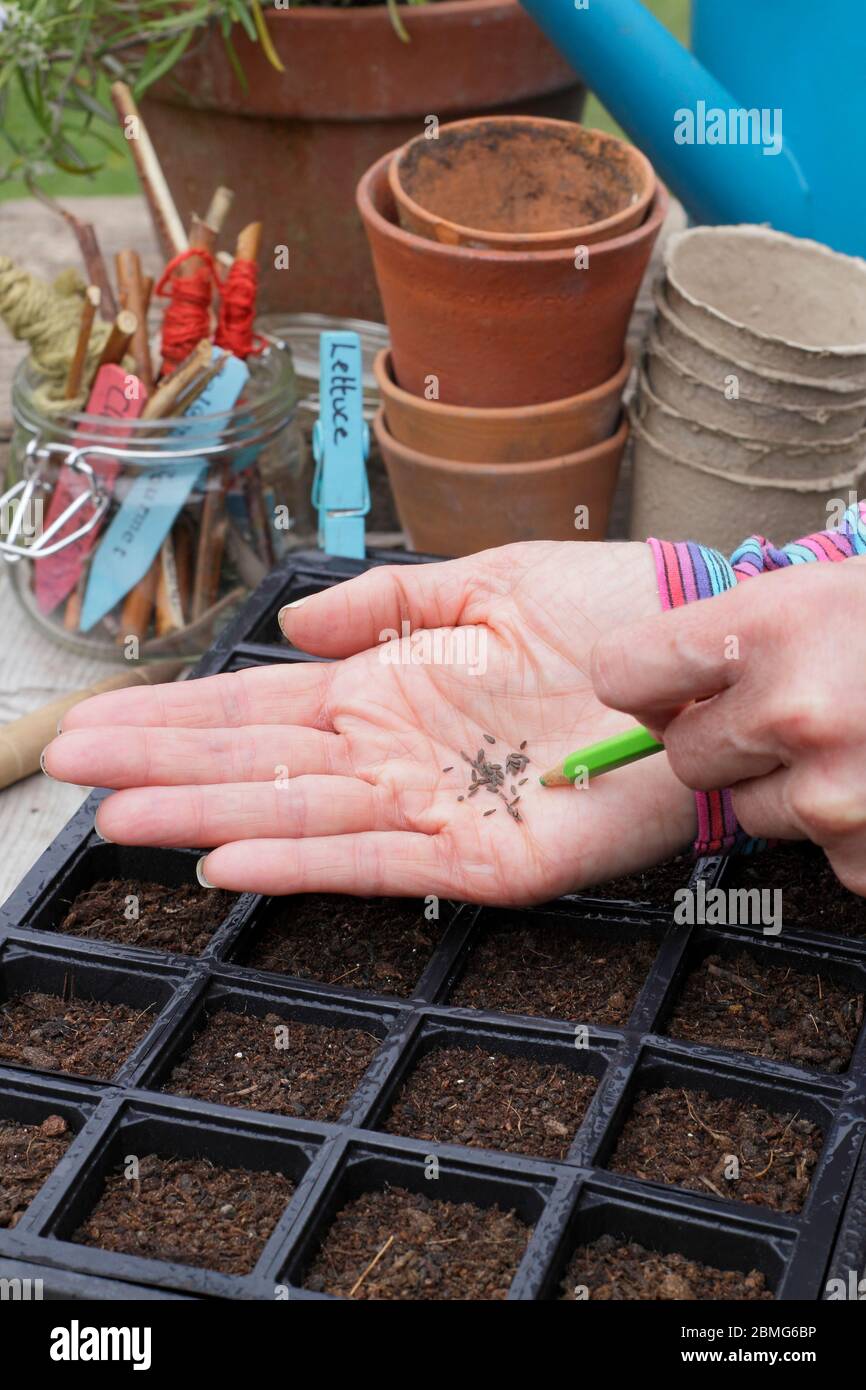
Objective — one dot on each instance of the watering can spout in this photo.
(725, 163)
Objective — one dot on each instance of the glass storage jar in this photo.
(215, 495)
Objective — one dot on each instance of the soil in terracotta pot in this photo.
(84, 1036)
(189, 1211)
(655, 886)
(28, 1153)
(236, 1060)
(687, 1138)
(403, 1245)
(555, 972)
(181, 918)
(497, 178)
(769, 1010)
(612, 1270)
(812, 895)
(492, 1101)
(380, 944)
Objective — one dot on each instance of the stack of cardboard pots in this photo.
(508, 252)
(751, 412)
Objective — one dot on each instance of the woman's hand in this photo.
(778, 668)
(331, 776)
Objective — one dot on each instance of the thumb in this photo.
(356, 615)
(654, 668)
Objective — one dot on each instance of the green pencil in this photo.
(605, 756)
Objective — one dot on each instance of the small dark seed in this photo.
(461, 798)
(465, 756)
(523, 781)
(473, 790)
(491, 813)
(448, 769)
(523, 745)
(490, 738)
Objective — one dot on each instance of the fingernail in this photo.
(42, 762)
(296, 603)
(200, 874)
(60, 726)
(99, 835)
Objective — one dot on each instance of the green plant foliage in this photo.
(58, 57)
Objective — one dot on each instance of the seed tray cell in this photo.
(666, 1226)
(227, 996)
(739, 977)
(436, 1037)
(130, 867)
(624, 1049)
(142, 1126)
(282, 940)
(152, 992)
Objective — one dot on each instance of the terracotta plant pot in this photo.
(447, 507)
(294, 144)
(730, 453)
(516, 435)
(774, 302)
(709, 405)
(689, 350)
(502, 328)
(674, 498)
(520, 183)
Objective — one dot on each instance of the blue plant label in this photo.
(151, 505)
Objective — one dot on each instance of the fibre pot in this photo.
(517, 434)
(448, 507)
(709, 404)
(777, 303)
(293, 144)
(520, 183)
(689, 351)
(689, 501)
(730, 453)
(502, 328)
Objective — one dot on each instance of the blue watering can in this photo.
(766, 122)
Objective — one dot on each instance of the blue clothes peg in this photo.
(341, 444)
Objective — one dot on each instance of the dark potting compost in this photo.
(769, 1010)
(611, 1270)
(403, 1245)
(579, 1074)
(811, 895)
(28, 1153)
(553, 971)
(157, 915)
(381, 945)
(689, 1137)
(190, 1211)
(272, 1064)
(84, 1036)
(492, 1100)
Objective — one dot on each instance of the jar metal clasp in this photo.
(21, 506)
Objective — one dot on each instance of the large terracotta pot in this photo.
(294, 145)
(452, 508)
(502, 328)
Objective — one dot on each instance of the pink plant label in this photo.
(116, 396)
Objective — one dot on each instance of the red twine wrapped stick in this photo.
(188, 282)
(235, 328)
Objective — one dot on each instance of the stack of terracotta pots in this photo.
(751, 412)
(508, 252)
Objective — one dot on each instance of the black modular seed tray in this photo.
(565, 1202)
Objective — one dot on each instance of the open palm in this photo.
(345, 775)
